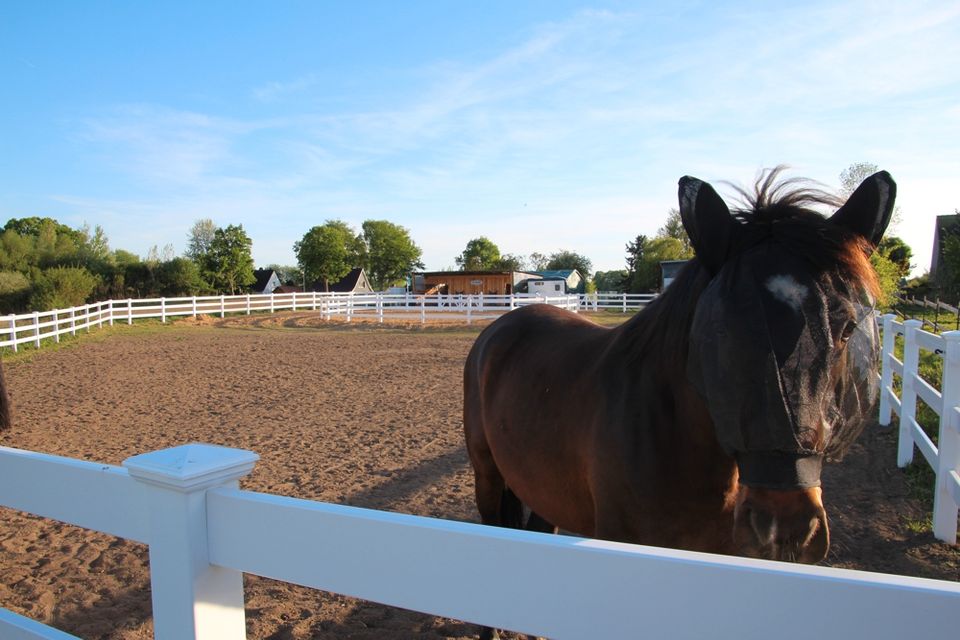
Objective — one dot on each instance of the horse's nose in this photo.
(782, 525)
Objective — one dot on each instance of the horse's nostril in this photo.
(764, 526)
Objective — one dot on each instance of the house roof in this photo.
(557, 274)
(350, 282)
(263, 278)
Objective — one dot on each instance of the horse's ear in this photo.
(868, 209)
(707, 220)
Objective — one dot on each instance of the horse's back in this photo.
(527, 383)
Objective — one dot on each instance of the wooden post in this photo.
(380, 308)
(193, 304)
(192, 599)
(129, 310)
(271, 303)
(886, 371)
(248, 304)
(908, 395)
(73, 321)
(36, 328)
(948, 443)
(294, 300)
(56, 326)
(423, 310)
(163, 310)
(223, 305)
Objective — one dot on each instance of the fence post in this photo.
(193, 305)
(624, 303)
(56, 326)
(13, 331)
(129, 310)
(163, 310)
(192, 599)
(423, 310)
(248, 304)
(110, 308)
(948, 444)
(223, 305)
(886, 371)
(36, 328)
(380, 308)
(271, 303)
(100, 315)
(908, 395)
(73, 321)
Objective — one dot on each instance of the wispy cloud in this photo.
(588, 121)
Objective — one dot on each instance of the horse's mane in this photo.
(780, 211)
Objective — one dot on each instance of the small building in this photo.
(572, 279)
(669, 270)
(468, 282)
(267, 281)
(547, 286)
(354, 282)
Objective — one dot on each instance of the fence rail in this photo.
(203, 532)
(944, 455)
(32, 328)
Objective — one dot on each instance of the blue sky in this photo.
(544, 125)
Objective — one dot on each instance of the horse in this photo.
(701, 423)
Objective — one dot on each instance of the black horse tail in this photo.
(4, 404)
(511, 510)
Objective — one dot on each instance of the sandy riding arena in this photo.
(355, 414)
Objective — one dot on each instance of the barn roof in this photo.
(263, 278)
(356, 280)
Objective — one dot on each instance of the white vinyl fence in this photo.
(204, 532)
(944, 456)
(32, 328)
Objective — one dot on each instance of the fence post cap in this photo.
(191, 467)
(913, 323)
(951, 336)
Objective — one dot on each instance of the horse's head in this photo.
(783, 346)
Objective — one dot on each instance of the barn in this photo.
(469, 282)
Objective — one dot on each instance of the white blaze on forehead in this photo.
(788, 291)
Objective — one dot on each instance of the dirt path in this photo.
(351, 415)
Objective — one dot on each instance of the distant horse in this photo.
(703, 421)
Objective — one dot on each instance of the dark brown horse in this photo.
(703, 421)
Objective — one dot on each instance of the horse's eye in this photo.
(848, 330)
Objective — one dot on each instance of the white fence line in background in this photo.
(34, 327)
(203, 533)
(944, 456)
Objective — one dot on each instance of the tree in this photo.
(898, 252)
(610, 280)
(329, 252)
(200, 238)
(538, 261)
(228, 262)
(391, 253)
(570, 260)
(180, 277)
(33, 226)
(480, 254)
(61, 287)
(510, 262)
(673, 228)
